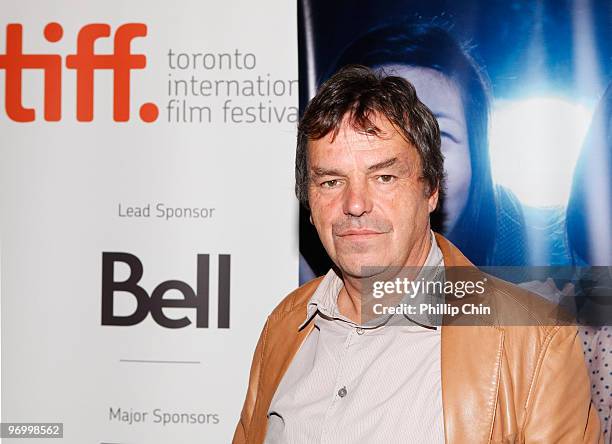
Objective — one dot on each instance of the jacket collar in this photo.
(470, 364)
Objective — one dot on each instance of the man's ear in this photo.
(433, 200)
(310, 218)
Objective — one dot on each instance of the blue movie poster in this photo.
(521, 90)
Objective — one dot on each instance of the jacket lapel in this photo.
(471, 363)
(280, 348)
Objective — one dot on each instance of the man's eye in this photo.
(330, 183)
(386, 178)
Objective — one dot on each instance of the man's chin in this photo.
(361, 269)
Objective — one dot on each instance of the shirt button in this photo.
(342, 392)
(359, 330)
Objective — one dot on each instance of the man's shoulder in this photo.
(511, 305)
(528, 318)
(516, 305)
(297, 299)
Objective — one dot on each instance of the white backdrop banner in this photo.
(148, 218)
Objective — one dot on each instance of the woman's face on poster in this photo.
(443, 97)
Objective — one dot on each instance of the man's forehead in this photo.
(382, 139)
(372, 128)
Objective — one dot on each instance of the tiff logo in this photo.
(85, 62)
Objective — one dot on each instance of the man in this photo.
(369, 167)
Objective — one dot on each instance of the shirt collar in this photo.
(325, 297)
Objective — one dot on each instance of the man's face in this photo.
(367, 199)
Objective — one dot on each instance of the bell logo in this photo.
(85, 62)
(156, 303)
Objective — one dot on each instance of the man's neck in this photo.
(349, 298)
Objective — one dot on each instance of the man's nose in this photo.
(357, 199)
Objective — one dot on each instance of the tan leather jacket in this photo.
(500, 384)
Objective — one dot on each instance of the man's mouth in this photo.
(358, 233)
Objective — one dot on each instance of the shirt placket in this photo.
(341, 392)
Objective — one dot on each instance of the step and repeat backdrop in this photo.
(147, 214)
(147, 211)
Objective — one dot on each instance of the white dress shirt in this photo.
(350, 383)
